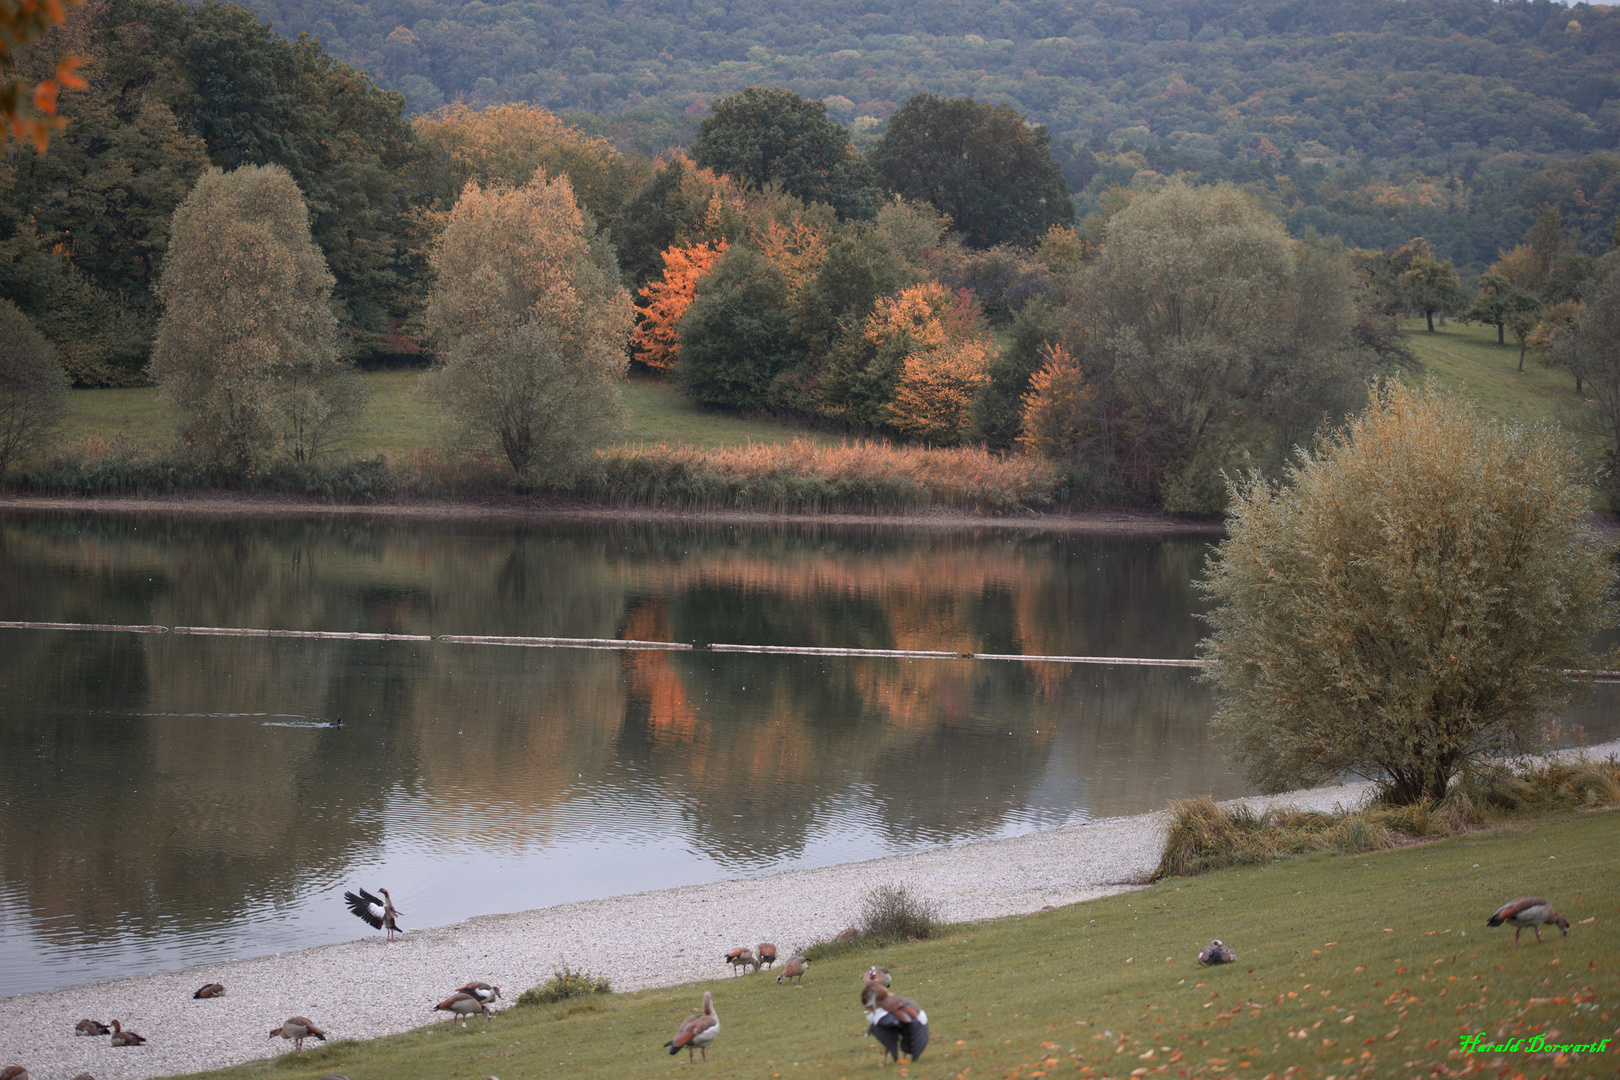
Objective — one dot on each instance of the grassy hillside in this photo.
(1467, 357)
(1369, 965)
(396, 421)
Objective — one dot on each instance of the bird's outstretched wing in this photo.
(367, 907)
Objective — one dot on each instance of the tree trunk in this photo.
(1500, 340)
(1428, 314)
(1521, 357)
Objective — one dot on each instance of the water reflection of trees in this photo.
(206, 814)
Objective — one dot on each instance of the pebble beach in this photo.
(369, 987)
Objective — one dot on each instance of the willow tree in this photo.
(1407, 600)
(531, 325)
(247, 347)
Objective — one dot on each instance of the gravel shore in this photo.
(369, 987)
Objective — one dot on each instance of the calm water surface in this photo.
(169, 800)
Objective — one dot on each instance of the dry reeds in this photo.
(802, 474)
(1203, 836)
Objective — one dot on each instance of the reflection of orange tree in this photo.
(652, 677)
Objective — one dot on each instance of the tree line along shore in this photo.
(927, 312)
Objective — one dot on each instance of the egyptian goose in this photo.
(13, 1072)
(900, 1024)
(90, 1027)
(1531, 911)
(463, 1005)
(793, 968)
(84, 1076)
(848, 933)
(875, 974)
(765, 955)
(480, 990)
(212, 990)
(380, 914)
(120, 1037)
(740, 957)
(1216, 953)
(298, 1028)
(698, 1030)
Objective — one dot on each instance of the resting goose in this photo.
(698, 1030)
(90, 1027)
(1216, 953)
(875, 974)
(381, 914)
(13, 1072)
(1531, 911)
(212, 990)
(120, 1037)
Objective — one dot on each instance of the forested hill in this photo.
(1429, 80)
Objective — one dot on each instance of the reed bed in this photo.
(1203, 836)
(861, 475)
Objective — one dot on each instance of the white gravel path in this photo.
(368, 987)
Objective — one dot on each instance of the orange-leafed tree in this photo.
(933, 400)
(920, 340)
(1060, 408)
(28, 110)
(656, 339)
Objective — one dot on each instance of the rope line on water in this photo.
(627, 644)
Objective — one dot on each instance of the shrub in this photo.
(564, 984)
(1407, 603)
(896, 912)
(1204, 836)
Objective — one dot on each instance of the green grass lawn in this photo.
(396, 421)
(1467, 357)
(1366, 966)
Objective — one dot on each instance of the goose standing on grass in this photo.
(1216, 953)
(764, 955)
(298, 1028)
(212, 990)
(381, 914)
(463, 1005)
(793, 967)
(900, 1024)
(698, 1030)
(1531, 911)
(480, 990)
(120, 1037)
(740, 957)
(90, 1027)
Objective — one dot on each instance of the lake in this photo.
(170, 799)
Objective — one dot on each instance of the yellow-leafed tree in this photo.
(531, 324)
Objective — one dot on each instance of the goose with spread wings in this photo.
(380, 913)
